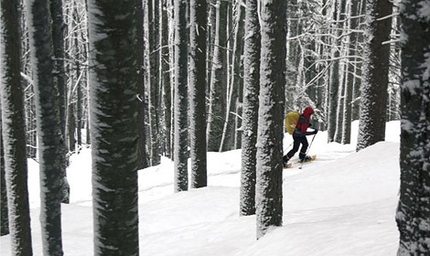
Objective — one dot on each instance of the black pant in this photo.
(296, 144)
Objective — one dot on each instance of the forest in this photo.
(141, 80)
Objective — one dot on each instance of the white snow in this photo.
(342, 204)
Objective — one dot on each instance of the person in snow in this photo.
(299, 136)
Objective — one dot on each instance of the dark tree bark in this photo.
(78, 110)
(13, 132)
(250, 108)
(115, 80)
(71, 127)
(197, 81)
(180, 152)
(48, 125)
(56, 8)
(375, 74)
(271, 107)
(413, 212)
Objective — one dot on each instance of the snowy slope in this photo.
(342, 204)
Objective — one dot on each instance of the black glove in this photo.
(315, 131)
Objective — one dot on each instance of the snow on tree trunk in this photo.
(4, 220)
(180, 152)
(114, 78)
(251, 79)
(218, 86)
(48, 125)
(413, 212)
(270, 114)
(197, 81)
(56, 8)
(375, 74)
(13, 133)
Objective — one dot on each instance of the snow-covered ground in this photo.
(343, 204)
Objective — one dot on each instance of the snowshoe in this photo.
(308, 159)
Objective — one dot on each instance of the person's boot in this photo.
(285, 161)
(307, 159)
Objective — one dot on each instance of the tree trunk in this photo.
(271, 107)
(235, 82)
(413, 211)
(4, 211)
(250, 107)
(154, 102)
(197, 81)
(114, 38)
(13, 133)
(180, 152)
(143, 154)
(335, 85)
(166, 79)
(218, 87)
(351, 62)
(78, 111)
(56, 8)
(71, 127)
(356, 91)
(48, 125)
(375, 75)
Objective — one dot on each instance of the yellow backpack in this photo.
(291, 121)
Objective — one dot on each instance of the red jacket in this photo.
(304, 121)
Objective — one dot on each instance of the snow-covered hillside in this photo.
(342, 204)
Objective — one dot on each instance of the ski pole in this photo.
(307, 151)
(311, 142)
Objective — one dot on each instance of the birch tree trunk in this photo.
(115, 78)
(271, 107)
